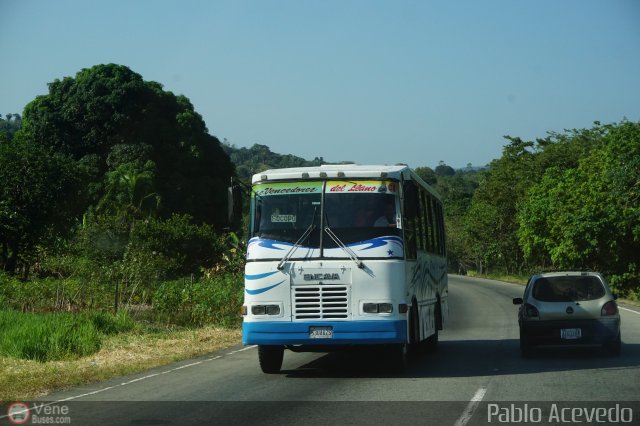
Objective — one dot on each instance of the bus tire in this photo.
(270, 358)
(431, 344)
(614, 347)
(398, 357)
(414, 329)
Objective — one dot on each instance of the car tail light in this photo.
(531, 311)
(609, 308)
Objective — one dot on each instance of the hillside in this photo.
(249, 161)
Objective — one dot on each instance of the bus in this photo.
(340, 256)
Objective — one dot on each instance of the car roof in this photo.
(568, 273)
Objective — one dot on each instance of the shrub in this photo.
(50, 294)
(215, 300)
(189, 246)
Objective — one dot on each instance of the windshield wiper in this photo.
(347, 250)
(295, 245)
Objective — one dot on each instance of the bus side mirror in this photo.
(234, 203)
(410, 200)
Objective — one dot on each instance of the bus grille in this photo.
(321, 302)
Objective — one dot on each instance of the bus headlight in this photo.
(259, 310)
(370, 308)
(273, 310)
(377, 308)
(385, 308)
(265, 309)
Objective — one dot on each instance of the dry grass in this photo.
(120, 354)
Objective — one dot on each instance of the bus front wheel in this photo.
(398, 359)
(270, 358)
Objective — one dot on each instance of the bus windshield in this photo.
(363, 215)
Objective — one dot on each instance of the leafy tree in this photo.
(39, 198)
(427, 174)
(588, 216)
(130, 187)
(108, 115)
(490, 222)
(443, 170)
(457, 192)
(9, 126)
(504, 191)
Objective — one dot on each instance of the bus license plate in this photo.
(570, 333)
(321, 332)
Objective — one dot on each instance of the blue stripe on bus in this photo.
(344, 332)
(262, 290)
(259, 276)
(378, 242)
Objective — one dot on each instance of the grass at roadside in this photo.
(56, 336)
(516, 279)
(120, 354)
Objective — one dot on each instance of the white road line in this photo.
(70, 398)
(242, 350)
(471, 407)
(629, 310)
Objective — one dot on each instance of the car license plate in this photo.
(321, 332)
(570, 333)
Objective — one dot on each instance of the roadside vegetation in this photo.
(130, 352)
(569, 200)
(114, 230)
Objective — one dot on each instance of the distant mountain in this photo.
(249, 161)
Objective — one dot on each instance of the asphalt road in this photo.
(478, 364)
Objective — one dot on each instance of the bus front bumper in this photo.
(342, 333)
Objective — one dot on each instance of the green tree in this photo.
(492, 222)
(427, 174)
(9, 126)
(131, 188)
(457, 193)
(491, 219)
(39, 198)
(442, 169)
(109, 115)
(588, 216)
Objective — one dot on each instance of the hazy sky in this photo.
(416, 82)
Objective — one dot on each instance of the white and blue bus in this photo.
(343, 255)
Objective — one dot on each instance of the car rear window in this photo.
(568, 288)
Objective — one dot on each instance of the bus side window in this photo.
(410, 209)
(441, 230)
(431, 221)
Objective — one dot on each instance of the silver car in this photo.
(568, 308)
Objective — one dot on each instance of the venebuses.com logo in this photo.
(19, 413)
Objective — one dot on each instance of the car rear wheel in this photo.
(270, 358)
(614, 347)
(526, 349)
